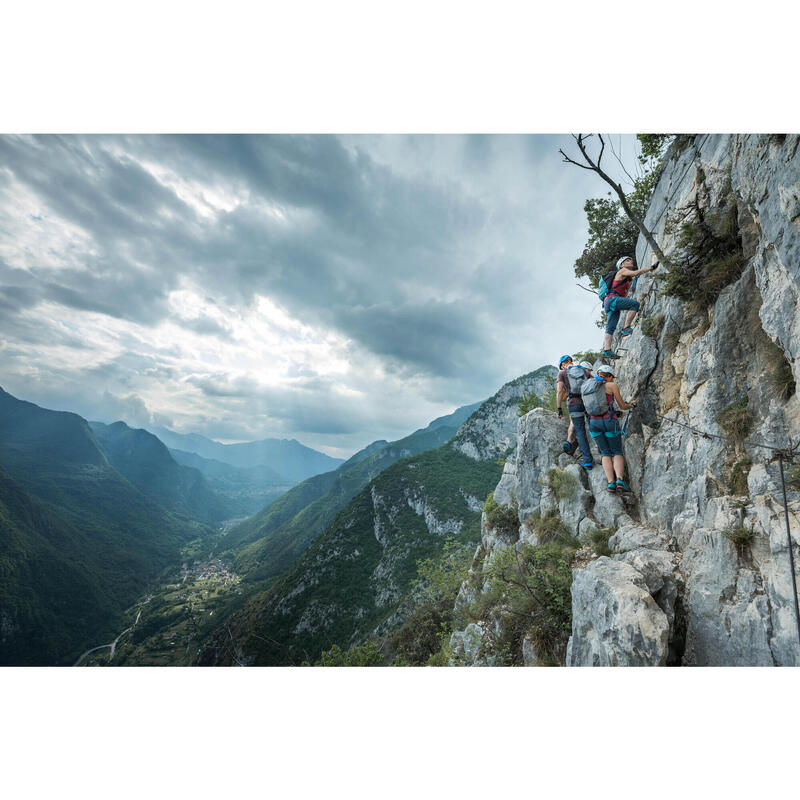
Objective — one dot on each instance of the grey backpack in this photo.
(576, 376)
(593, 394)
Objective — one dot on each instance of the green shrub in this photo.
(438, 580)
(736, 419)
(528, 402)
(741, 537)
(599, 539)
(504, 519)
(549, 527)
(592, 356)
(737, 483)
(441, 658)
(708, 254)
(549, 400)
(793, 478)
(490, 503)
(420, 636)
(562, 483)
(652, 326)
(533, 585)
(365, 655)
(779, 372)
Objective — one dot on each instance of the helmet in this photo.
(585, 365)
(607, 369)
(563, 359)
(622, 260)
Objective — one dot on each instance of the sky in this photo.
(331, 289)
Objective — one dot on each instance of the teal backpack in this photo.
(604, 287)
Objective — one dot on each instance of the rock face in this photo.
(699, 571)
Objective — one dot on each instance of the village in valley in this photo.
(165, 627)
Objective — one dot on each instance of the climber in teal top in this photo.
(599, 397)
(617, 301)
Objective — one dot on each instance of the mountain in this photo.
(246, 490)
(78, 535)
(290, 459)
(268, 543)
(353, 582)
(56, 594)
(146, 462)
(492, 430)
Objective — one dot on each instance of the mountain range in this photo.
(354, 579)
(291, 461)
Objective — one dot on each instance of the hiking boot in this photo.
(569, 447)
(612, 487)
(588, 465)
(610, 354)
(622, 486)
(626, 332)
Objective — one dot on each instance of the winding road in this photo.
(112, 645)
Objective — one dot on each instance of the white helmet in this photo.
(585, 365)
(607, 369)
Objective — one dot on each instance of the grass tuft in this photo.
(737, 483)
(652, 326)
(736, 419)
(600, 539)
(562, 483)
(741, 537)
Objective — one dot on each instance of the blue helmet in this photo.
(562, 360)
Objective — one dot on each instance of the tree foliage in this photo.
(611, 233)
(365, 655)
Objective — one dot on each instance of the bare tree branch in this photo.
(619, 161)
(580, 139)
(570, 161)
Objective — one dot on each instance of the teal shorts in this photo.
(607, 436)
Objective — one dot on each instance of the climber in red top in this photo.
(616, 301)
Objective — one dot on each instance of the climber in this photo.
(570, 379)
(616, 300)
(561, 395)
(599, 397)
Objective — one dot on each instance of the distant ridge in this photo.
(289, 458)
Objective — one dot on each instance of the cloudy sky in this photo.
(332, 289)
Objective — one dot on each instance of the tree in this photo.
(606, 226)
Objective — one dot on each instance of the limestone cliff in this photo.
(698, 569)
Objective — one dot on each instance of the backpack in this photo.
(604, 287)
(593, 394)
(575, 378)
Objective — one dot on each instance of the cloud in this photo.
(344, 287)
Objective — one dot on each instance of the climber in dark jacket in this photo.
(617, 301)
(575, 409)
